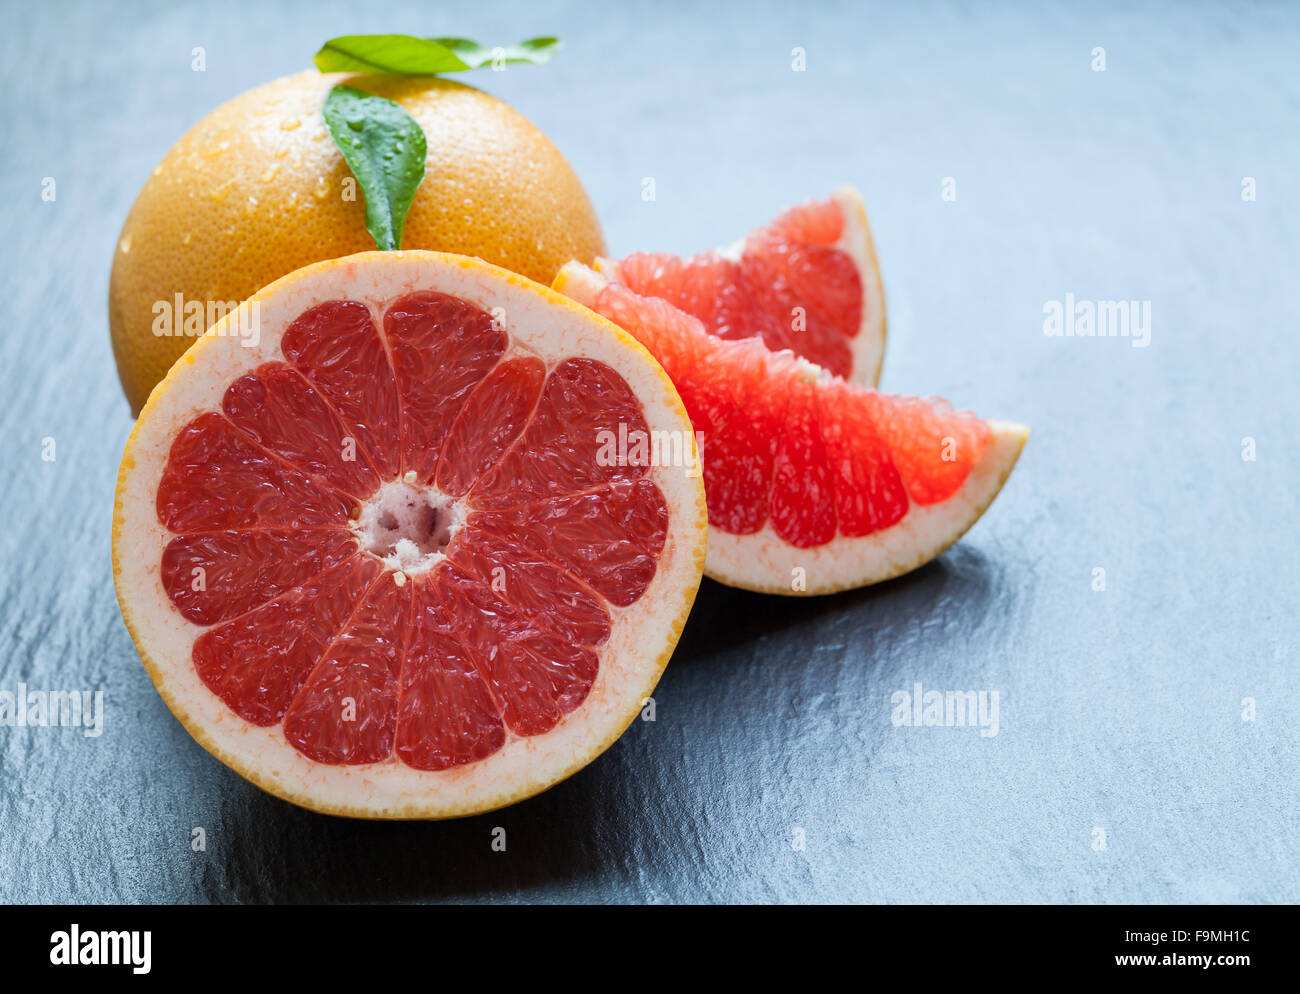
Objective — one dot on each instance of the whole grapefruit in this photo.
(258, 189)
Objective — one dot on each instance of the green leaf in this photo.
(385, 149)
(537, 51)
(406, 55)
(399, 54)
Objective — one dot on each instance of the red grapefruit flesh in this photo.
(375, 562)
(814, 484)
(808, 282)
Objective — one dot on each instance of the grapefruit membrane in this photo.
(375, 556)
(808, 282)
(814, 484)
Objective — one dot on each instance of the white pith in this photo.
(765, 562)
(541, 324)
(868, 346)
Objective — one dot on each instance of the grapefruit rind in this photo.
(643, 635)
(869, 344)
(765, 563)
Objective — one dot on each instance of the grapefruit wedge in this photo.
(370, 555)
(814, 484)
(808, 282)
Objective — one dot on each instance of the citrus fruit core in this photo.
(408, 527)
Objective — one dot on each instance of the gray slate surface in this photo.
(1119, 711)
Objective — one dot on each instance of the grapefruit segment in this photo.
(336, 346)
(442, 347)
(560, 452)
(447, 716)
(275, 407)
(214, 576)
(808, 282)
(217, 478)
(610, 538)
(814, 484)
(869, 490)
(802, 497)
(539, 591)
(491, 419)
(537, 676)
(913, 429)
(346, 710)
(256, 663)
(380, 563)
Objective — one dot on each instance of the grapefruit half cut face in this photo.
(389, 541)
(807, 281)
(815, 484)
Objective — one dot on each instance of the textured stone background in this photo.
(1119, 710)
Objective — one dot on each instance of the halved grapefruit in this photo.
(814, 484)
(376, 563)
(808, 282)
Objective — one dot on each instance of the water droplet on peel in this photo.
(186, 239)
(220, 193)
(124, 245)
(322, 189)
